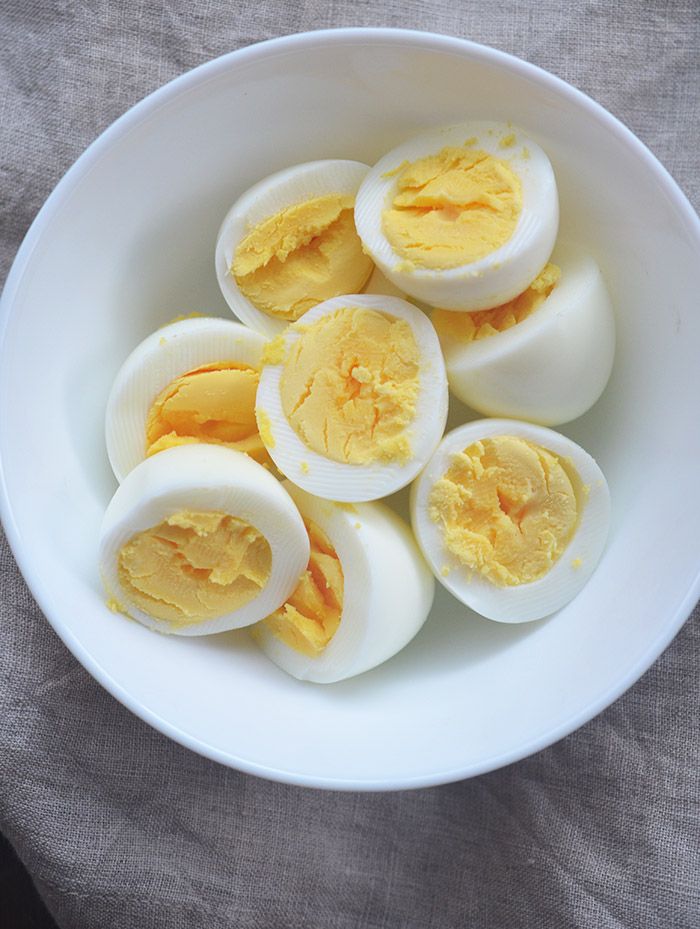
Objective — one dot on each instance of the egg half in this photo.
(201, 539)
(353, 399)
(290, 243)
(512, 518)
(366, 593)
(192, 381)
(462, 217)
(545, 356)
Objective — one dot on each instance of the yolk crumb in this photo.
(310, 618)
(194, 566)
(470, 327)
(349, 386)
(452, 208)
(213, 404)
(507, 509)
(301, 256)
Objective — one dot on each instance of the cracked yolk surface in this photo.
(301, 256)
(213, 404)
(470, 327)
(350, 384)
(310, 618)
(452, 208)
(507, 509)
(194, 566)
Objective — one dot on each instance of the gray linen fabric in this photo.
(121, 828)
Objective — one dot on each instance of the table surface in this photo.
(119, 827)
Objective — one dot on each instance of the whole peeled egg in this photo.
(462, 217)
(512, 518)
(366, 592)
(201, 539)
(545, 356)
(290, 242)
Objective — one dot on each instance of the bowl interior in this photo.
(126, 243)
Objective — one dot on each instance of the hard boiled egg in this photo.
(353, 399)
(511, 517)
(366, 592)
(192, 381)
(290, 243)
(462, 217)
(545, 356)
(201, 539)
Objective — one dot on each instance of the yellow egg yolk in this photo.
(301, 256)
(452, 208)
(310, 618)
(470, 327)
(507, 509)
(194, 566)
(349, 386)
(213, 404)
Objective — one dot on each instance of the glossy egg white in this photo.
(207, 478)
(552, 366)
(495, 278)
(388, 591)
(266, 198)
(341, 481)
(162, 357)
(570, 572)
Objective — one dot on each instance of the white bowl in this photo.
(126, 242)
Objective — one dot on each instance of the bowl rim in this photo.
(50, 603)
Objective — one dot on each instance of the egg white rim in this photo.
(269, 196)
(175, 480)
(158, 360)
(540, 598)
(355, 483)
(518, 260)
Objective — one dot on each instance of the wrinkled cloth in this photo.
(118, 826)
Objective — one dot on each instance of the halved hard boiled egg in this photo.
(512, 518)
(192, 381)
(463, 217)
(545, 356)
(290, 243)
(201, 539)
(365, 594)
(353, 399)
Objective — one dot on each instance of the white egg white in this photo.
(388, 591)
(495, 278)
(206, 478)
(162, 357)
(352, 483)
(552, 366)
(568, 575)
(266, 198)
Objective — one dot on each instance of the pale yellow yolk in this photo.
(310, 618)
(213, 404)
(470, 327)
(452, 208)
(194, 566)
(350, 384)
(507, 509)
(308, 253)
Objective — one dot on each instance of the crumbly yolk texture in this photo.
(301, 256)
(452, 208)
(350, 384)
(507, 509)
(194, 566)
(310, 618)
(470, 327)
(213, 404)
